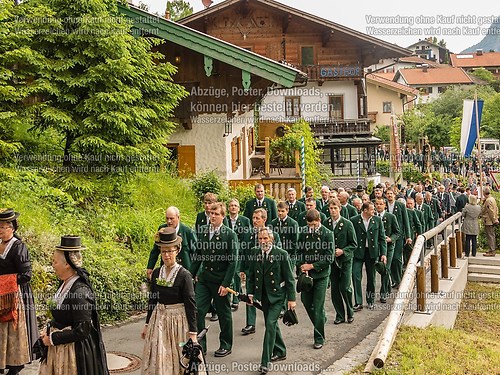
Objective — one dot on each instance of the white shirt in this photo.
(367, 224)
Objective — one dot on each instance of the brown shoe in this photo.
(488, 254)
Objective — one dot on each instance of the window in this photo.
(441, 89)
(387, 107)
(292, 106)
(307, 55)
(336, 107)
(429, 90)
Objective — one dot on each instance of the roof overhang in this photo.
(150, 24)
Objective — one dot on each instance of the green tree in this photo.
(179, 9)
(382, 132)
(105, 93)
(291, 141)
(490, 121)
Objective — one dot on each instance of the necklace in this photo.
(165, 280)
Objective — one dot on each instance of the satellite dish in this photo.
(207, 3)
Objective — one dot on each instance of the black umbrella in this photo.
(245, 298)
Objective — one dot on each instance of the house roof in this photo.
(419, 60)
(272, 4)
(473, 60)
(391, 85)
(434, 76)
(212, 47)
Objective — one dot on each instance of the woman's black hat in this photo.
(70, 243)
(8, 214)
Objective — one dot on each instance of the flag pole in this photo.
(479, 159)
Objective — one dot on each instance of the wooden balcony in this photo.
(341, 127)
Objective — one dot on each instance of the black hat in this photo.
(380, 268)
(290, 318)
(8, 214)
(167, 237)
(304, 283)
(359, 188)
(71, 243)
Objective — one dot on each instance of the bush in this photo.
(205, 183)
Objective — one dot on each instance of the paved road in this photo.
(302, 358)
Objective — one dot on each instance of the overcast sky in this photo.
(378, 18)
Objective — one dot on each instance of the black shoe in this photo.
(357, 307)
(371, 306)
(276, 358)
(338, 321)
(214, 317)
(248, 330)
(282, 313)
(350, 319)
(221, 352)
(383, 300)
(263, 370)
(317, 345)
(234, 306)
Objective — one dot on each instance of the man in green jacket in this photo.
(398, 209)
(295, 207)
(271, 282)
(188, 246)
(241, 226)
(310, 205)
(260, 201)
(371, 247)
(428, 217)
(213, 268)
(392, 234)
(315, 250)
(341, 269)
(415, 217)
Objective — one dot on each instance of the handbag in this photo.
(39, 349)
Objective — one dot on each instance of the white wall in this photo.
(212, 150)
(313, 100)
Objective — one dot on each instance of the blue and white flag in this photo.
(469, 126)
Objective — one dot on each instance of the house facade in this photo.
(430, 51)
(431, 82)
(334, 101)
(216, 121)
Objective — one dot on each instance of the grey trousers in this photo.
(490, 238)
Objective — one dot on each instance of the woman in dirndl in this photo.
(18, 326)
(171, 317)
(74, 339)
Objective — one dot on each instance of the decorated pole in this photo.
(395, 163)
(303, 162)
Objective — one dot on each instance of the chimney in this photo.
(479, 51)
(424, 67)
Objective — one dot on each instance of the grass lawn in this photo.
(472, 347)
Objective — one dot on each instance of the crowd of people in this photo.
(269, 253)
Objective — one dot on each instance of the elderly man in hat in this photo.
(172, 220)
(214, 266)
(372, 246)
(315, 250)
(271, 282)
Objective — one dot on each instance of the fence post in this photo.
(444, 261)
(421, 288)
(460, 243)
(453, 252)
(434, 274)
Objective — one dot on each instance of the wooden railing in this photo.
(274, 186)
(347, 127)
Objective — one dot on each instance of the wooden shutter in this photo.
(234, 165)
(186, 156)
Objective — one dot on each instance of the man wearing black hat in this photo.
(315, 250)
(371, 247)
(271, 282)
(214, 266)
